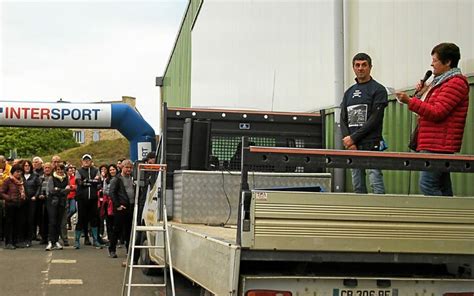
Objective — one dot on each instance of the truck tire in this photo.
(145, 260)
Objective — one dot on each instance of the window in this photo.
(79, 136)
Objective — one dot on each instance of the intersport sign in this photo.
(55, 114)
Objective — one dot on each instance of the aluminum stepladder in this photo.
(163, 228)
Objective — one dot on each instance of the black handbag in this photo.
(413, 139)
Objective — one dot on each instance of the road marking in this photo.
(64, 261)
(46, 274)
(65, 282)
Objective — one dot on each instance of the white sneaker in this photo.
(49, 246)
(58, 246)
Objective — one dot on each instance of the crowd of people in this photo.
(39, 201)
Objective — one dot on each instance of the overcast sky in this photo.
(87, 51)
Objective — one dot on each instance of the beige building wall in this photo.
(87, 136)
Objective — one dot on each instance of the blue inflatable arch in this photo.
(121, 117)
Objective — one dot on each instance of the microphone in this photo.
(422, 81)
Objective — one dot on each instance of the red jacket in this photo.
(73, 186)
(442, 116)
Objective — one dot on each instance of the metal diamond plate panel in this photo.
(212, 197)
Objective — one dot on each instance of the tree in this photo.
(30, 142)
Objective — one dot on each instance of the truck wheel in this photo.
(145, 260)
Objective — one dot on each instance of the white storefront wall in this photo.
(270, 55)
(279, 55)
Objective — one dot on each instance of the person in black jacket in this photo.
(87, 181)
(41, 211)
(32, 184)
(58, 189)
(362, 112)
(121, 209)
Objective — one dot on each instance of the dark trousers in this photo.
(41, 220)
(102, 220)
(55, 216)
(30, 232)
(22, 221)
(109, 220)
(87, 212)
(122, 228)
(2, 219)
(12, 222)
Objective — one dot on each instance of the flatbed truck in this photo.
(288, 242)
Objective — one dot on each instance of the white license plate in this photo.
(364, 292)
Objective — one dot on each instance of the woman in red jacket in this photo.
(442, 109)
(71, 197)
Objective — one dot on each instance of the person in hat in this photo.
(87, 181)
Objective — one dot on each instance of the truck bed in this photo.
(208, 255)
(343, 222)
(223, 234)
(294, 233)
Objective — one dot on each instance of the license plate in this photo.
(364, 292)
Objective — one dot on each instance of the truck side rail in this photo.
(309, 160)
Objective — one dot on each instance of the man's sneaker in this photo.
(112, 254)
(57, 246)
(97, 245)
(49, 247)
(10, 247)
(21, 245)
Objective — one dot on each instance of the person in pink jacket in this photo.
(442, 109)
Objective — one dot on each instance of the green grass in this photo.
(103, 152)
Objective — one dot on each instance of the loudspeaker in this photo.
(200, 145)
(196, 144)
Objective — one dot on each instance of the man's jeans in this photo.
(375, 179)
(435, 183)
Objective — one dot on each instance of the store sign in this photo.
(55, 115)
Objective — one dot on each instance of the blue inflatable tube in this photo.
(130, 124)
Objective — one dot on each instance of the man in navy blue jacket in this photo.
(362, 112)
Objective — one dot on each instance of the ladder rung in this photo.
(146, 285)
(149, 247)
(149, 228)
(145, 266)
